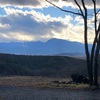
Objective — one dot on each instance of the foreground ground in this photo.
(27, 93)
(43, 88)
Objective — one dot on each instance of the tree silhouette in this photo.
(91, 56)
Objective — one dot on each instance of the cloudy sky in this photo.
(37, 20)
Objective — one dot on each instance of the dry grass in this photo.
(40, 82)
(35, 81)
(2, 98)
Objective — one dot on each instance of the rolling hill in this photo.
(51, 66)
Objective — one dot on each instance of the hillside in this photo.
(52, 66)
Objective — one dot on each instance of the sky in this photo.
(37, 20)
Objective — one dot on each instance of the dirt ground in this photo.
(43, 88)
(27, 93)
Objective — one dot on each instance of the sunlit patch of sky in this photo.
(2, 12)
(54, 12)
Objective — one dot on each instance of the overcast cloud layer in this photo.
(29, 25)
(43, 3)
(20, 2)
(24, 3)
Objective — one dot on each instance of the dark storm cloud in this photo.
(42, 3)
(21, 2)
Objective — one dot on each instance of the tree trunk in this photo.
(97, 41)
(90, 72)
(89, 68)
(96, 63)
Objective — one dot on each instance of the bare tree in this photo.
(91, 57)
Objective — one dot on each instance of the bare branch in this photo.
(98, 27)
(98, 11)
(64, 10)
(83, 5)
(84, 9)
(79, 8)
(95, 15)
(93, 1)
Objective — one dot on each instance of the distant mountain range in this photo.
(51, 47)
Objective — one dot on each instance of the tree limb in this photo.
(79, 8)
(98, 27)
(98, 11)
(95, 15)
(83, 5)
(84, 8)
(64, 10)
(94, 1)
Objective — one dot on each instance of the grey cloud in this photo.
(87, 2)
(20, 2)
(28, 25)
(40, 3)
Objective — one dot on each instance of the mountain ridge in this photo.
(51, 47)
